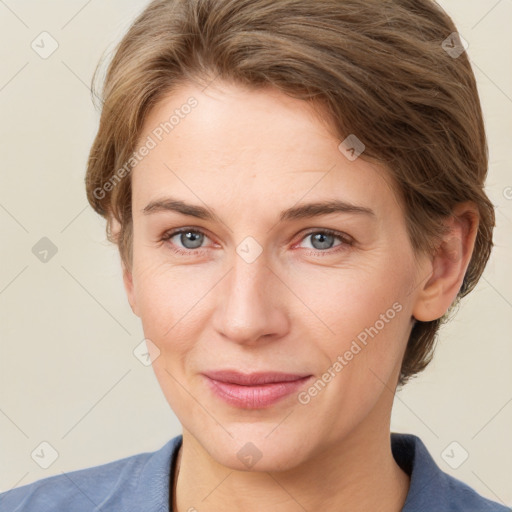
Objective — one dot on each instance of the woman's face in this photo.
(263, 284)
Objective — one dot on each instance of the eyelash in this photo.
(345, 239)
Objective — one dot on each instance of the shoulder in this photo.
(431, 488)
(137, 482)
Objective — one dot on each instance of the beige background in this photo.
(68, 375)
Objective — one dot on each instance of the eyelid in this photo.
(173, 232)
(347, 239)
(343, 237)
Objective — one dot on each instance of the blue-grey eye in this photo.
(321, 240)
(191, 239)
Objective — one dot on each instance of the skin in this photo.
(247, 155)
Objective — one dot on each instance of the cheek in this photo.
(169, 301)
(166, 298)
(368, 316)
(367, 310)
(347, 302)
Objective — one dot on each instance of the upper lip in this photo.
(253, 379)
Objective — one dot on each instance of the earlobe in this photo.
(447, 267)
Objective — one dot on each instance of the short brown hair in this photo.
(382, 69)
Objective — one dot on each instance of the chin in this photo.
(254, 447)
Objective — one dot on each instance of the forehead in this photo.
(241, 146)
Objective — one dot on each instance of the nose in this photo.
(252, 307)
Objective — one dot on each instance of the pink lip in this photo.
(255, 390)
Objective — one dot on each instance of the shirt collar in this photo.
(413, 457)
(152, 493)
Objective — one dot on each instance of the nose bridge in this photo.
(251, 274)
(250, 308)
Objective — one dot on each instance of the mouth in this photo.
(254, 390)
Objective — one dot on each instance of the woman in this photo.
(296, 191)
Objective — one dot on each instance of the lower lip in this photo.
(255, 397)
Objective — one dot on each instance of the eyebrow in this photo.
(303, 211)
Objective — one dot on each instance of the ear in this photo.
(447, 267)
(128, 286)
(127, 272)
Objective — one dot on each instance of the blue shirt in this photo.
(141, 483)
